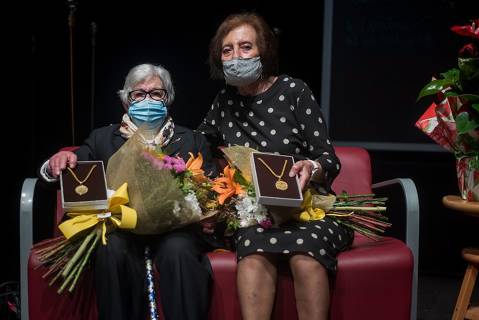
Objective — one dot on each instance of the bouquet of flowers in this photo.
(67, 256)
(164, 193)
(452, 120)
(239, 208)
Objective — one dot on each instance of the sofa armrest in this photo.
(26, 239)
(412, 227)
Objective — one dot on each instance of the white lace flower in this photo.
(192, 203)
(177, 208)
(250, 212)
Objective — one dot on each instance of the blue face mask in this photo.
(242, 72)
(148, 111)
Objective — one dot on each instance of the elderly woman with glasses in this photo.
(179, 256)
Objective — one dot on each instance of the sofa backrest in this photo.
(355, 174)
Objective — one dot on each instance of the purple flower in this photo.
(166, 162)
(175, 163)
(179, 167)
(168, 159)
(266, 223)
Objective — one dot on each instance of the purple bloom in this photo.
(168, 159)
(179, 167)
(266, 223)
(166, 162)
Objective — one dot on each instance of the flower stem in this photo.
(79, 253)
(48, 241)
(84, 261)
(360, 208)
(349, 196)
(53, 252)
(68, 278)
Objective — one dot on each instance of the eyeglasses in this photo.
(140, 95)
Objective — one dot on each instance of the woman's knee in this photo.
(118, 245)
(257, 263)
(303, 265)
(177, 246)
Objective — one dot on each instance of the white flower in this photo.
(177, 208)
(247, 223)
(192, 203)
(250, 212)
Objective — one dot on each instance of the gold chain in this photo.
(271, 170)
(87, 176)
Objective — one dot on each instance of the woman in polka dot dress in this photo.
(272, 113)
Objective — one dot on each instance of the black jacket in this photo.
(104, 142)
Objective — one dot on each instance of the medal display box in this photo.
(83, 188)
(273, 185)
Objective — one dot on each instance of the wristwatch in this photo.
(315, 167)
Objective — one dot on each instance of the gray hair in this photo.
(144, 72)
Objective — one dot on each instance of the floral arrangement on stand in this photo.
(452, 120)
(238, 206)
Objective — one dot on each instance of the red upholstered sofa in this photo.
(375, 279)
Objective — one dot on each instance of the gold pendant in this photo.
(81, 189)
(281, 185)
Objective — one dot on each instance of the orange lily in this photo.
(225, 186)
(194, 165)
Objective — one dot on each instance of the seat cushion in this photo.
(44, 303)
(373, 278)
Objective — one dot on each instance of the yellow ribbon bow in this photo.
(309, 213)
(118, 214)
(325, 208)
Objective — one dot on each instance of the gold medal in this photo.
(81, 189)
(281, 185)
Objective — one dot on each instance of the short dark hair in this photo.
(265, 37)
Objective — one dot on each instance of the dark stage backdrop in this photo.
(174, 35)
(383, 52)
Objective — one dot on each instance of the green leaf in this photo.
(464, 124)
(451, 75)
(451, 94)
(434, 87)
(470, 97)
(464, 96)
(469, 68)
(238, 177)
(475, 106)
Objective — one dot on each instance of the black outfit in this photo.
(185, 272)
(285, 119)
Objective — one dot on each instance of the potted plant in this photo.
(452, 120)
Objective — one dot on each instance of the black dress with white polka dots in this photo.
(285, 119)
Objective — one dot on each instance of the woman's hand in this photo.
(305, 170)
(59, 161)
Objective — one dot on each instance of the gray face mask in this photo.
(242, 72)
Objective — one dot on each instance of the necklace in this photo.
(81, 189)
(280, 184)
